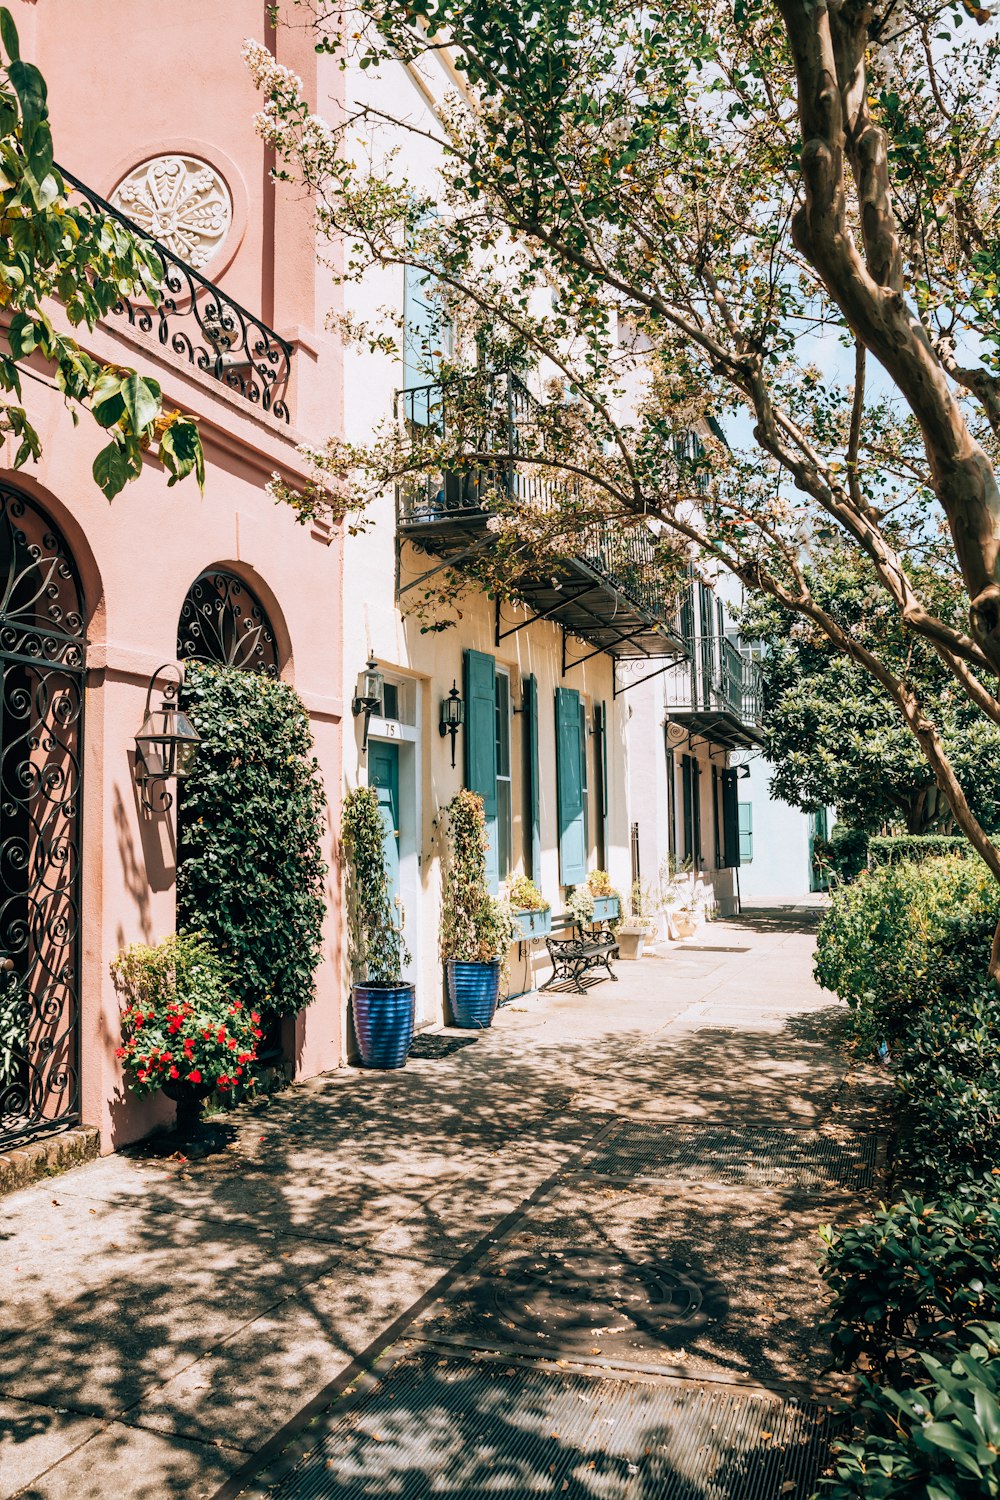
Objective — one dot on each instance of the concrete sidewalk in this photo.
(164, 1319)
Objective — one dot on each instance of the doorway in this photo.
(42, 674)
(383, 774)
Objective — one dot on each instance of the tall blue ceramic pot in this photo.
(383, 1020)
(473, 989)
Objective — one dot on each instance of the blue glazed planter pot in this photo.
(473, 990)
(383, 1020)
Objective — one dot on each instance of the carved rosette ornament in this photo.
(180, 201)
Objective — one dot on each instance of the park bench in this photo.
(586, 948)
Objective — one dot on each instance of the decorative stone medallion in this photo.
(182, 202)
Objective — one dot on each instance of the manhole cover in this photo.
(463, 1427)
(592, 1302)
(756, 1156)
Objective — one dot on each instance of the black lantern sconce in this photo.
(452, 717)
(368, 697)
(167, 741)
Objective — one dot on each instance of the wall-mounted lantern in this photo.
(368, 697)
(167, 741)
(452, 717)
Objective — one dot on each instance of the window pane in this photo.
(746, 832)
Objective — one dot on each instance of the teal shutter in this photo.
(746, 832)
(569, 787)
(534, 849)
(481, 747)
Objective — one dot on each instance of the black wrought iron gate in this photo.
(42, 665)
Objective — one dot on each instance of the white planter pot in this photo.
(630, 944)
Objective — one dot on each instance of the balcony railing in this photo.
(202, 324)
(624, 556)
(718, 680)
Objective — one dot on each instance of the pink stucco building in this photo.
(152, 110)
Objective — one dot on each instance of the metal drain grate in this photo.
(765, 1156)
(453, 1426)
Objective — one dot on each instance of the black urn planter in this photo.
(189, 1099)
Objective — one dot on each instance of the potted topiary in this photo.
(182, 1029)
(607, 903)
(531, 913)
(383, 1002)
(476, 928)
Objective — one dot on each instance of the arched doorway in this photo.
(42, 663)
(223, 621)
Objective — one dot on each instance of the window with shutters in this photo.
(505, 809)
(746, 832)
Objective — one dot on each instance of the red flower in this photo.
(237, 1005)
(258, 1034)
(220, 1035)
(224, 1081)
(175, 1072)
(175, 1024)
(194, 1076)
(119, 1051)
(143, 1075)
(239, 1072)
(255, 1018)
(232, 1044)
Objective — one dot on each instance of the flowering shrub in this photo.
(180, 1021)
(524, 895)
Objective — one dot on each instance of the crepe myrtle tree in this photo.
(53, 248)
(775, 219)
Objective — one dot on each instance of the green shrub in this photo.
(901, 935)
(475, 926)
(937, 1439)
(912, 1276)
(251, 869)
(893, 849)
(378, 953)
(843, 855)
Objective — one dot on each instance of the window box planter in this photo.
(531, 924)
(383, 1021)
(606, 909)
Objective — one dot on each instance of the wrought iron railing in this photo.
(717, 678)
(202, 324)
(506, 422)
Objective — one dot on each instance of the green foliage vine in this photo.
(251, 866)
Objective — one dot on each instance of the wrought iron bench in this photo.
(587, 948)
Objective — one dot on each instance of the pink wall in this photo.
(178, 81)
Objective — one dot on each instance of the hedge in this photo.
(893, 849)
(252, 818)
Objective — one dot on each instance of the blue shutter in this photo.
(569, 787)
(481, 747)
(534, 802)
(746, 832)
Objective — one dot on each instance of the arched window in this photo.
(222, 621)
